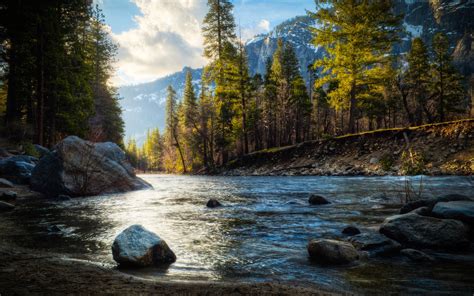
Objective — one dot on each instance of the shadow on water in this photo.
(260, 234)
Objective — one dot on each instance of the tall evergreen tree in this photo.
(357, 36)
(447, 87)
(172, 124)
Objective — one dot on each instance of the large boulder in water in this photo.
(136, 246)
(413, 230)
(459, 210)
(81, 168)
(332, 251)
(430, 203)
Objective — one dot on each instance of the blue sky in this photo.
(160, 37)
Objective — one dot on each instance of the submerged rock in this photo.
(317, 200)
(136, 246)
(213, 203)
(82, 168)
(8, 196)
(430, 203)
(459, 210)
(332, 251)
(375, 244)
(417, 231)
(416, 255)
(4, 183)
(351, 230)
(4, 206)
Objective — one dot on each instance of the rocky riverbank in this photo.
(438, 149)
(27, 272)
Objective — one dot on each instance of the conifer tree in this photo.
(172, 124)
(418, 77)
(357, 36)
(447, 86)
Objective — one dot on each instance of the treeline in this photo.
(359, 85)
(56, 59)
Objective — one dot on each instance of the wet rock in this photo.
(375, 244)
(54, 229)
(4, 206)
(42, 151)
(4, 183)
(416, 255)
(317, 200)
(64, 197)
(351, 230)
(332, 251)
(17, 169)
(423, 211)
(459, 210)
(82, 168)
(8, 196)
(136, 246)
(413, 230)
(213, 203)
(430, 203)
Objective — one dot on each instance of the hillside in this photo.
(143, 104)
(443, 149)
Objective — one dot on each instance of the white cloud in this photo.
(167, 38)
(249, 31)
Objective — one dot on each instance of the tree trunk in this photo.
(352, 108)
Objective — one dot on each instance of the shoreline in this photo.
(27, 271)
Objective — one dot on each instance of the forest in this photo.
(57, 59)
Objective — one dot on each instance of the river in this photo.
(260, 234)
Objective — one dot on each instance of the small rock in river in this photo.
(317, 200)
(4, 206)
(5, 183)
(332, 251)
(351, 230)
(416, 255)
(136, 246)
(213, 203)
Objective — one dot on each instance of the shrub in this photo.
(413, 162)
(386, 161)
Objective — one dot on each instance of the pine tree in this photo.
(447, 86)
(418, 77)
(357, 36)
(219, 34)
(172, 124)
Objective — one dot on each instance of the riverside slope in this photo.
(446, 148)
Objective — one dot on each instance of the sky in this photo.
(160, 37)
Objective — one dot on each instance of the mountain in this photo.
(144, 104)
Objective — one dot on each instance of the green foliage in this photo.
(358, 37)
(386, 161)
(412, 162)
(29, 149)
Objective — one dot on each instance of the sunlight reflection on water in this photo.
(260, 234)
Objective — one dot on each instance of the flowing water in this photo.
(260, 234)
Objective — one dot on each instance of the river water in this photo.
(260, 234)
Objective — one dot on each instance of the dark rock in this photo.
(416, 255)
(459, 210)
(64, 197)
(413, 230)
(4, 183)
(375, 244)
(42, 151)
(213, 203)
(332, 251)
(25, 158)
(430, 203)
(423, 211)
(317, 200)
(8, 196)
(136, 246)
(4, 206)
(17, 170)
(54, 228)
(82, 168)
(351, 230)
